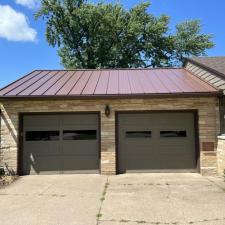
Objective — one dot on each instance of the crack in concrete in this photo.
(214, 183)
(159, 184)
(51, 195)
(102, 199)
(169, 191)
(162, 223)
(145, 184)
(168, 196)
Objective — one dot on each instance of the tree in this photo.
(188, 40)
(104, 35)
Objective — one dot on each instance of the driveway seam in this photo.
(102, 199)
(162, 223)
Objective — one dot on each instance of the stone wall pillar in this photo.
(108, 145)
(221, 155)
(9, 139)
(208, 163)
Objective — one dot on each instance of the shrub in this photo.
(2, 171)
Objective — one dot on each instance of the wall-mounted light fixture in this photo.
(107, 110)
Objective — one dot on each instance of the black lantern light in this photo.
(107, 110)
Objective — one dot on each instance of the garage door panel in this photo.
(43, 165)
(54, 143)
(42, 149)
(77, 163)
(142, 164)
(42, 128)
(137, 143)
(170, 147)
(80, 119)
(41, 120)
(127, 119)
(79, 127)
(80, 149)
(137, 151)
(173, 146)
(164, 163)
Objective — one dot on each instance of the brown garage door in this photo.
(160, 142)
(54, 144)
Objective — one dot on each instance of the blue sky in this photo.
(23, 47)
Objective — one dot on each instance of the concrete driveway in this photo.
(116, 200)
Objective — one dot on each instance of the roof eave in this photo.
(209, 69)
(126, 96)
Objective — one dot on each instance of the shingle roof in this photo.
(117, 82)
(214, 63)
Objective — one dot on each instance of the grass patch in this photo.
(99, 215)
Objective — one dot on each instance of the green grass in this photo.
(99, 215)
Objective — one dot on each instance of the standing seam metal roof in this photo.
(106, 82)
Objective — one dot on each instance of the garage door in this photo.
(158, 142)
(54, 144)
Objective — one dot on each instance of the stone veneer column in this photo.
(221, 154)
(108, 145)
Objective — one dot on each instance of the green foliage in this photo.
(2, 171)
(189, 41)
(109, 36)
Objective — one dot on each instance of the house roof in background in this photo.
(213, 64)
(106, 82)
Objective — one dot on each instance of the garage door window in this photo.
(42, 135)
(138, 134)
(79, 134)
(168, 134)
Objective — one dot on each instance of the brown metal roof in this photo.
(118, 82)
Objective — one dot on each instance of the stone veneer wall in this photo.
(221, 155)
(208, 123)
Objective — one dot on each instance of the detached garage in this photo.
(109, 122)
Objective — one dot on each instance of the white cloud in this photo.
(14, 26)
(29, 3)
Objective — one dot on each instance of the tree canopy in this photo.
(106, 35)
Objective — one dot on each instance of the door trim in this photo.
(196, 130)
(20, 134)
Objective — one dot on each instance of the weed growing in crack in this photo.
(102, 199)
(99, 215)
(124, 221)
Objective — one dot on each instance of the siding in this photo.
(207, 76)
(213, 80)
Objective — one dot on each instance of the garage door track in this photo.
(129, 199)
